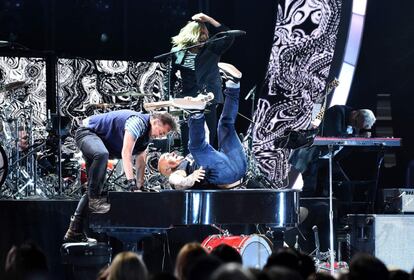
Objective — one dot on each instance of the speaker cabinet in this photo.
(388, 237)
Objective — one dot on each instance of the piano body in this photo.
(135, 215)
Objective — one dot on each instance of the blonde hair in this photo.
(188, 35)
(127, 266)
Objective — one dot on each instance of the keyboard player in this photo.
(339, 121)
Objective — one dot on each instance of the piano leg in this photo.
(129, 241)
(380, 159)
(277, 236)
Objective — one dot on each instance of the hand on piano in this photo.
(198, 174)
(365, 134)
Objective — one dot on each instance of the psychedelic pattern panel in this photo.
(25, 105)
(300, 60)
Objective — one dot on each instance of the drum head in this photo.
(255, 251)
(3, 166)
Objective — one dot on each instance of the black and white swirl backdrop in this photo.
(24, 106)
(302, 52)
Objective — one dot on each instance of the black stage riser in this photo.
(45, 222)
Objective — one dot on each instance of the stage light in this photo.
(104, 38)
(356, 27)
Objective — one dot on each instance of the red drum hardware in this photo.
(254, 249)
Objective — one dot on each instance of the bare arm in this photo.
(218, 47)
(140, 161)
(205, 18)
(127, 148)
(181, 181)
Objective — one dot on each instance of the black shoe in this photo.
(75, 233)
(75, 237)
(229, 73)
(98, 205)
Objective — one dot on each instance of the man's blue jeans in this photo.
(228, 164)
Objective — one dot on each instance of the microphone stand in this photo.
(169, 54)
(317, 245)
(253, 170)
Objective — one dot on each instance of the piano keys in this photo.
(357, 142)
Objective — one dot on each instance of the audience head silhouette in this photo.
(27, 262)
(127, 266)
(232, 271)
(186, 257)
(227, 254)
(364, 266)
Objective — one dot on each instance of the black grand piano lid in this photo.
(168, 208)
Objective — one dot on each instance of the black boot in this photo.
(75, 232)
(98, 205)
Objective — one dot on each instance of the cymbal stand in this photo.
(16, 170)
(27, 176)
(22, 178)
(114, 180)
(253, 172)
(32, 163)
(331, 228)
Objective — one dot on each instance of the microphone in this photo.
(296, 246)
(253, 90)
(234, 33)
(5, 44)
(317, 244)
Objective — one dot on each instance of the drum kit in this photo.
(20, 141)
(29, 162)
(28, 152)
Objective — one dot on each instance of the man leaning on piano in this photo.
(339, 121)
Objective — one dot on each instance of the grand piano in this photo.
(135, 215)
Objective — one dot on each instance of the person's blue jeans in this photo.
(228, 164)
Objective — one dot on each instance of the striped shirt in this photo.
(135, 125)
(189, 60)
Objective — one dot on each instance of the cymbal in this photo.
(12, 86)
(103, 105)
(131, 93)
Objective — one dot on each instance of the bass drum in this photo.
(4, 167)
(254, 249)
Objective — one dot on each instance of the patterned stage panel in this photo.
(87, 87)
(302, 52)
(23, 121)
(27, 101)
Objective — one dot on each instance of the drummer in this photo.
(205, 166)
